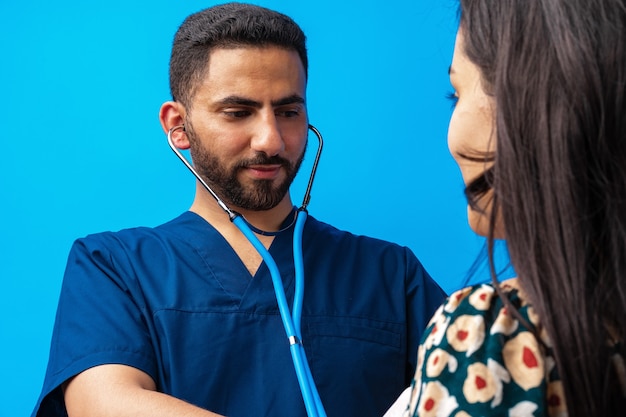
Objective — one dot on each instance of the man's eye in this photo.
(288, 113)
(237, 113)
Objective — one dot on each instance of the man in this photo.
(181, 319)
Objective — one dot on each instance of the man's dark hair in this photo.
(230, 25)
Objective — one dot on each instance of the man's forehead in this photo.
(242, 49)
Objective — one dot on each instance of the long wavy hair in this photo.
(557, 72)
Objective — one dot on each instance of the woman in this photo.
(539, 132)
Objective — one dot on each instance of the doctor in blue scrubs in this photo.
(181, 319)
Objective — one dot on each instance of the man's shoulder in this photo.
(175, 229)
(330, 234)
(362, 255)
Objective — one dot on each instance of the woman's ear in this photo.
(172, 114)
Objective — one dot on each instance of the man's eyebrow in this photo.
(292, 99)
(239, 101)
(235, 100)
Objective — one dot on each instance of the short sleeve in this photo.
(477, 359)
(424, 296)
(100, 320)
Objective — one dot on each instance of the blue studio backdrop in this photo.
(83, 151)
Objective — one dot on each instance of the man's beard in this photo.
(260, 195)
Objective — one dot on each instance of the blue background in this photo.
(83, 151)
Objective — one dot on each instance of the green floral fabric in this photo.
(478, 360)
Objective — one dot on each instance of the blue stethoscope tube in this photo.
(291, 320)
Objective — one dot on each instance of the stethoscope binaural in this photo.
(291, 320)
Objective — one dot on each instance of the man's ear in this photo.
(172, 114)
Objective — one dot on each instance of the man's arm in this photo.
(120, 390)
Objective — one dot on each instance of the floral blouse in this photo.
(477, 360)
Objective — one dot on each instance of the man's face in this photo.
(247, 125)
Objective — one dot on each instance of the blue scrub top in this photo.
(177, 302)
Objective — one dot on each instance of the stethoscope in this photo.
(291, 320)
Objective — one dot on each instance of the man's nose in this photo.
(267, 137)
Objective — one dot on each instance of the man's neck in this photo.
(267, 220)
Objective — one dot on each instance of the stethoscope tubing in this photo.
(291, 320)
(310, 395)
(298, 260)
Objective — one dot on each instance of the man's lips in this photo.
(266, 172)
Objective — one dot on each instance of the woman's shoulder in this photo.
(471, 316)
(484, 297)
(491, 305)
(478, 355)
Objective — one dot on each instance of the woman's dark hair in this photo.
(557, 72)
(228, 25)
